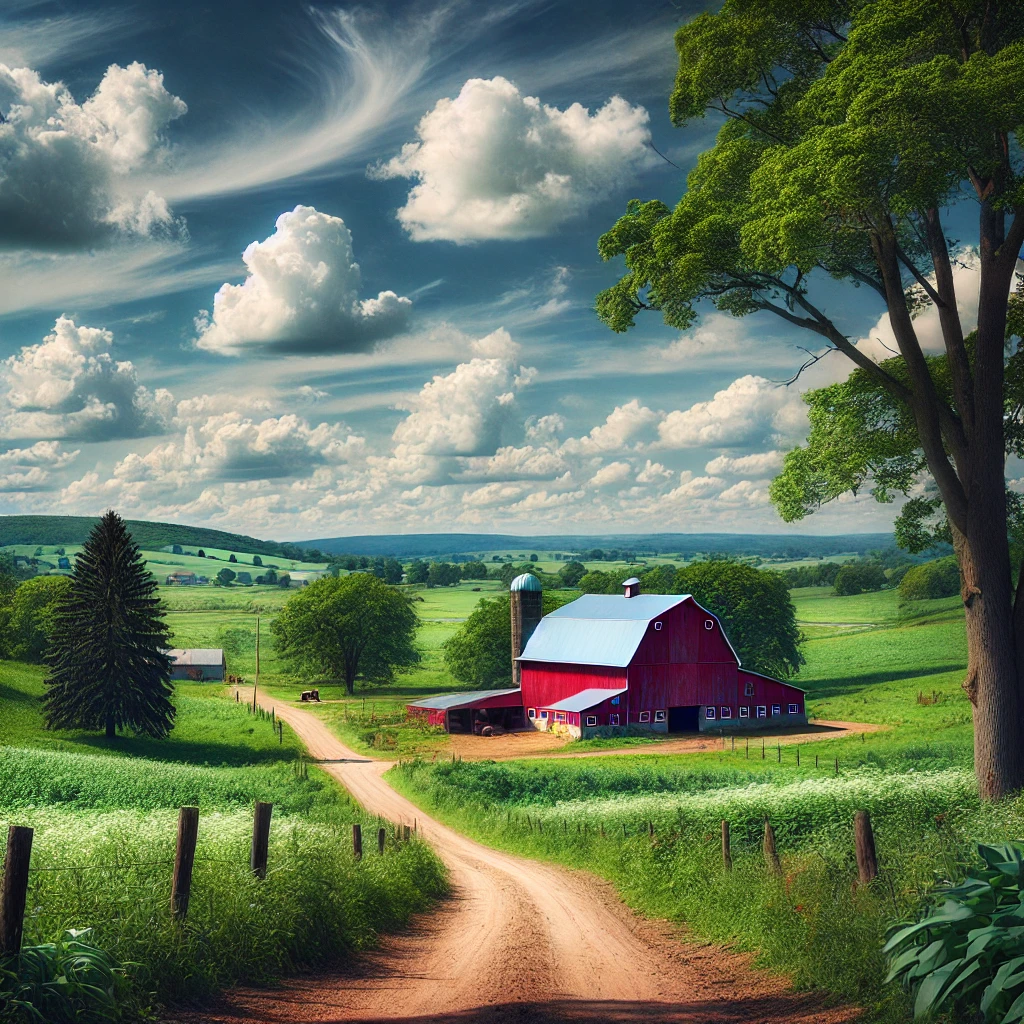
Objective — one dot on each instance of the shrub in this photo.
(967, 950)
(859, 578)
(939, 578)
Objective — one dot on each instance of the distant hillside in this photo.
(50, 530)
(426, 545)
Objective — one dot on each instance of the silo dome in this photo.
(526, 582)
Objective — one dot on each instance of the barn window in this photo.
(659, 716)
(543, 714)
(709, 623)
(591, 719)
(645, 716)
(776, 709)
(794, 709)
(613, 719)
(744, 712)
(532, 713)
(559, 716)
(710, 712)
(762, 711)
(657, 625)
(748, 690)
(725, 713)
(615, 700)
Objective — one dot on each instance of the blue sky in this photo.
(408, 343)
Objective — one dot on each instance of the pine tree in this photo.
(108, 666)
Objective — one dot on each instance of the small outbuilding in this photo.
(198, 665)
(181, 578)
(471, 712)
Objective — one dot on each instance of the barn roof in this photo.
(597, 629)
(584, 699)
(447, 701)
(197, 656)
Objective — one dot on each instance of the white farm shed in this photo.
(198, 664)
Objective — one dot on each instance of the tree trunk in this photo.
(111, 731)
(350, 681)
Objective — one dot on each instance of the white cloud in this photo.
(493, 163)
(69, 385)
(23, 470)
(653, 473)
(750, 410)
(746, 492)
(612, 474)
(512, 463)
(67, 170)
(301, 295)
(625, 425)
(691, 486)
(759, 464)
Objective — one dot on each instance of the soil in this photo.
(518, 942)
(533, 743)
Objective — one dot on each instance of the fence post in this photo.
(184, 858)
(260, 839)
(405, 833)
(726, 846)
(771, 854)
(867, 860)
(14, 889)
(381, 840)
(357, 841)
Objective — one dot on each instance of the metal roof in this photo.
(527, 581)
(447, 701)
(583, 700)
(197, 656)
(597, 629)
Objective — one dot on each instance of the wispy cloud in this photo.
(40, 41)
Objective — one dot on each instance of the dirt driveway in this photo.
(518, 942)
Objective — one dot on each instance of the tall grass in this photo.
(111, 870)
(658, 840)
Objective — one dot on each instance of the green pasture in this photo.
(104, 814)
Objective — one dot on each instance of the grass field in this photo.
(104, 815)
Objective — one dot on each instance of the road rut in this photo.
(518, 941)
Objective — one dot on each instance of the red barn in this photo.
(470, 712)
(658, 661)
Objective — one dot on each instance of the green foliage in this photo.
(755, 611)
(859, 578)
(939, 578)
(69, 981)
(226, 576)
(480, 653)
(419, 571)
(473, 570)
(820, 574)
(598, 582)
(443, 574)
(232, 558)
(107, 662)
(345, 626)
(967, 951)
(30, 617)
(571, 573)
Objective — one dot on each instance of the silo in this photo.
(526, 600)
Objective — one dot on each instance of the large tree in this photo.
(107, 656)
(850, 130)
(756, 612)
(348, 626)
(31, 620)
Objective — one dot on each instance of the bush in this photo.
(859, 578)
(939, 578)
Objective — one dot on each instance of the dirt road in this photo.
(519, 941)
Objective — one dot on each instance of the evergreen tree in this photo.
(108, 666)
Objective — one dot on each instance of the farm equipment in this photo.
(310, 695)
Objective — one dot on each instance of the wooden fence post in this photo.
(260, 839)
(405, 833)
(184, 858)
(726, 846)
(14, 889)
(771, 854)
(867, 860)
(381, 840)
(357, 841)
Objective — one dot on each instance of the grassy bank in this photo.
(104, 815)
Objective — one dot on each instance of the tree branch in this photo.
(917, 275)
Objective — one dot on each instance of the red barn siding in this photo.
(769, 691)
(545, 683)
(657, 687)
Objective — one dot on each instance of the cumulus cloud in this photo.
(613, 474)
(528, 462)
(625, 425)
(759, 464)
(70, 386)
(749, 410)
(29, 469)
(301, 295)
(493, 163)
(67, 169)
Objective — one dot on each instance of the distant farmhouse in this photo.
(182, 578)
(198, 665)
(602, 662)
